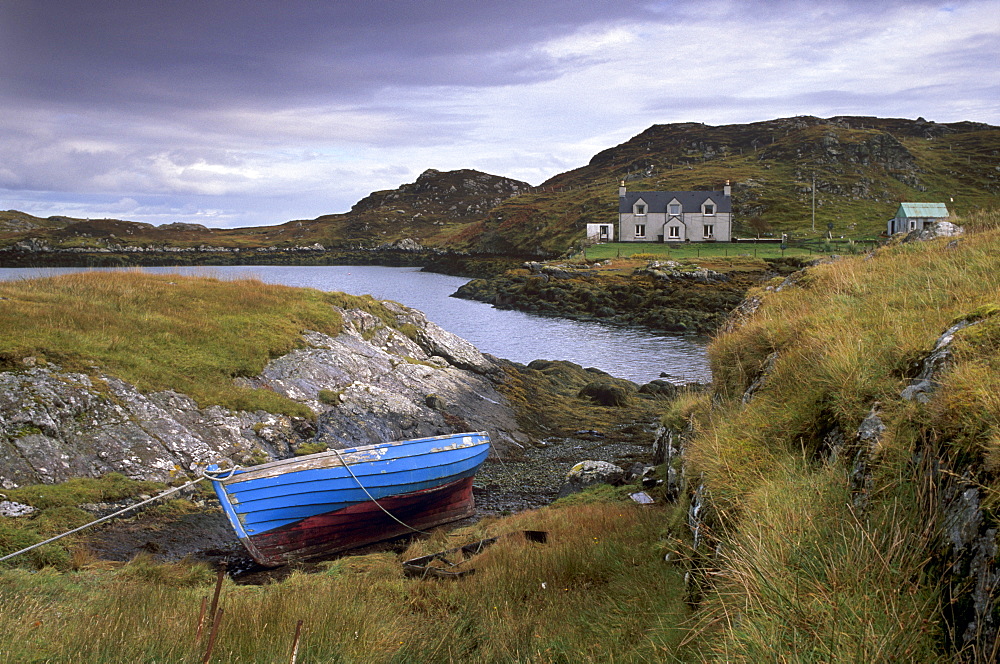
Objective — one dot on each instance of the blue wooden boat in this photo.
(323, 503)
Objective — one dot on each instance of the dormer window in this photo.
(709, 208)
(674, 209)
(640, 208)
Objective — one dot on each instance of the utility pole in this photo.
(814, 201)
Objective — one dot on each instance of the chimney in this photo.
(726, 190)
(621, 189)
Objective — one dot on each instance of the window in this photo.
(675, 209)
(640, 208)
(674, 232)
(640, 230)
(709, 208)
(604, 231)
(709, 230)
(913, 224)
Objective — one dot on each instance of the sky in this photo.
(251, 112)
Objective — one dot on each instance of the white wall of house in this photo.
(601, 232)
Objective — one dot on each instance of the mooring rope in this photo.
(103, 518)
(370, 496)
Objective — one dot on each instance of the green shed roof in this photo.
(922, 210)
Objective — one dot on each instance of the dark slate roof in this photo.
(690, 200)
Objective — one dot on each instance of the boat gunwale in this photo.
(294, 480)
(277, 468)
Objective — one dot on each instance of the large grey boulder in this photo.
(589, 473)
(390, 387)
(938, 229)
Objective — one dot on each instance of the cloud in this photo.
(255, 113)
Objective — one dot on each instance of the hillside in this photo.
(831, 499)
(429, 210)
(843, 476)
(863, 166)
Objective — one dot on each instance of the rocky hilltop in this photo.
(435, 207)
(368, 384)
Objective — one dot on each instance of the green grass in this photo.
(597, 591)
(690, 251)
(189, 334)
(57, 512)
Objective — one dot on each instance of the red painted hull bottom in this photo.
(363, 524)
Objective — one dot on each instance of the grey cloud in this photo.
(206, 53)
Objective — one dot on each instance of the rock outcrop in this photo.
(369, 384)
(589, 473)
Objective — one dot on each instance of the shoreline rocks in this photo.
(56, 424)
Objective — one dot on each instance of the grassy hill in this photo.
(863, 168)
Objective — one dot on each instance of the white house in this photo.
(674, 216)
(916, 216)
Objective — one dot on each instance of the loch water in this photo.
(635, 354)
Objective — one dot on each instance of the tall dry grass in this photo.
(803, 574)
(598, 591)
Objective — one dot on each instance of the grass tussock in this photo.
(597, 591)
(189, 334)
(805, 571)
(847, 335)
(817, 581)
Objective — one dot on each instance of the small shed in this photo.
(917, 216)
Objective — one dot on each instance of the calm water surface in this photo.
(634, 354)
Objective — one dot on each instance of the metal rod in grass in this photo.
(201, 619)
(218, 588)
(295, 643)
(211, 637)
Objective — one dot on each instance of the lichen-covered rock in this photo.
(375, 380)
(10, 509)
(588, 473)
(938, 229)
(55, 425)
(674, 271)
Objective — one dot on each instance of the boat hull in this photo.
(333, 501)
